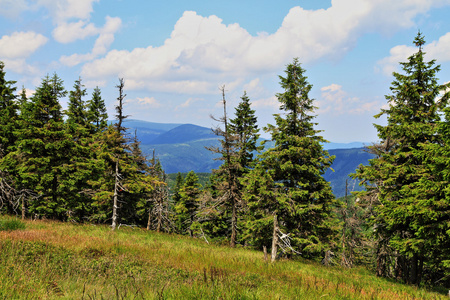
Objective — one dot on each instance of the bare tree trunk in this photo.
(233, 224)
(149, 222)
(275, 238)
(159, 216)
(23, 207)
(116, 194)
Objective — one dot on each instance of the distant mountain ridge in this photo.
(181, 148)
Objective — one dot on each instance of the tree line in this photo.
(73, 166)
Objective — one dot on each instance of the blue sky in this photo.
(174, 55)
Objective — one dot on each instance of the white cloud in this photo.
(63, 10)
(439, 50)
(204, 49)
(20, 66)
(12, 8)
(66, 33)
(188, 103)
(20, 44)
(70, 32)
(147, 101)
(271, 102)
(336, 101)
(390, 64)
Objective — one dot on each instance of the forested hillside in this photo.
(74, 166)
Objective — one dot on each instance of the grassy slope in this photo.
(50, 260)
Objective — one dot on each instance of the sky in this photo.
(175, 55)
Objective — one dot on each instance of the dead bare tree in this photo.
(230, 197)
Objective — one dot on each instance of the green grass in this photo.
(50, 260)
(11, 224)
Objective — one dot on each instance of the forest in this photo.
(74, 166)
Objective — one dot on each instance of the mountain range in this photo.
(181, 148)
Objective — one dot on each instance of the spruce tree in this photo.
(286, 191)
(42, 150)
(238, 144)
(244, 126)
(8, 125)
(97, 114)
(405, 216)
(76, 111)
(8, 113)
(186, 208)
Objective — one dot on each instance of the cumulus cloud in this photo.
(20, 44)
(147, 101)
(64, 10)
(20, 66)
(336, 101)
(439, 50)
(67, 33)
(204, 49)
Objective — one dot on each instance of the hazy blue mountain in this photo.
(147, 131)
(329, 146)
(345, 163)
(181, 148)
(184, 133)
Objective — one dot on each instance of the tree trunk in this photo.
(116, 194)
(275, 238)
(23, 207)
(414, 269)
(233, 225)
(160, 211)
(149, 221)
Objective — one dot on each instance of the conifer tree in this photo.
(238, 142)
(42, 147)
(286, 190)
(176, 198)
(97, 114)
(8, 125)
(8, 113)
(76, 111)
(186, 208)
(405, 216)
(227, 178)
(244, 126)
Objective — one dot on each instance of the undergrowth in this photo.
(50, 260)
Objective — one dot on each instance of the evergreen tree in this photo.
(286, 190)
(76, 112)
(226, 176)
(407, 213)
(186, 208)
(244, 126)
(8, 125)
(238, 142)
(8, 113)
(97, 114)
(42, 150)
(176, 198)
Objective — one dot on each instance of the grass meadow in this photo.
(53, 260)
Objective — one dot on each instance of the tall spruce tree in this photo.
(42, 147)
(8, 125)
(8, 113)
(407, 213)
(76, 112)
(238, 144)
(186, 208)
(244, 126)
(286, 191)
(97, 114)
(227, 180)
